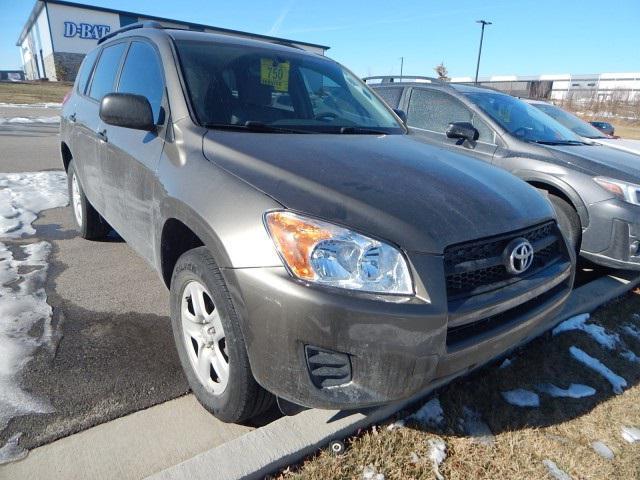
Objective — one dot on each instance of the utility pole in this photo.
(401, 67)
(483, 22)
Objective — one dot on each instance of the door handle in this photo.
(72, 118)
(102, 135)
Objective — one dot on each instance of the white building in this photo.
(597, 86)
(58, 34)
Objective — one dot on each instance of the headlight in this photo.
(323, 253)
(623, 190)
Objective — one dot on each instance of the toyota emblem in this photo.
(518, 256)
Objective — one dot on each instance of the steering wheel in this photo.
(326, 115)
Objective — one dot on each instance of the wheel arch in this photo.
(65, 153)
(561, 189)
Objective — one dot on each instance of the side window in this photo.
(85, 71)
(106, 71)
(433, 110)
(390, 95)
(142, 75)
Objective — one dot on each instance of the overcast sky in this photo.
(527, 37)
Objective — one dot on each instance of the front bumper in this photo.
(613, 228)
(395, 349)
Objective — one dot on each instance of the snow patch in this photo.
(630, 356)
(31, 105)
(23, 307)
(631, 434)
(12, 451)
(430, 414)
(554, 471)
(521, 398)
(396, 425)
(473, 425)
(597, 332)
(617, 382)
(24, 195)
(29, 120)
(631, 330)
(601, 449)
(437, 455)
(370, 473)
(575, 390)
(507, 362)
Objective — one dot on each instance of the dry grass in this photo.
(561, 430)
(626, 129)
(33, 92)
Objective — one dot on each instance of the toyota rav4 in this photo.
(313, 251)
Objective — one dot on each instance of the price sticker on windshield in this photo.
(275, 74)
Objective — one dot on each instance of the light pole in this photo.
(401, 66)
(483, 22)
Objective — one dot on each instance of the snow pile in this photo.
(29, 120)
(521, 398)
(575, 390)
(597, 332)
(370, 473)
(437, 455)
(23, 307)
(631, 434)
(12, 451)
(617, 382)
(601, 449)
(24, 195)
(396, 425)
(473, 425)
(430, 414)
(554, 471)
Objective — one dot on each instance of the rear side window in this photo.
(434, 111)
(391, 95)
(142, 75)
(106, 71)
(85, 71)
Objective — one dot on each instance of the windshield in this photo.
(273, 90)
(573, 123)
(522, 120)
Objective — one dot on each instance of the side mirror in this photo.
(463, 130)
(401, 114)
(128, 111)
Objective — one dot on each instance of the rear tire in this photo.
(89, 222)
(568, 221)
(210, 343)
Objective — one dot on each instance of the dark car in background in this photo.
(313, 251)
(595, 190)
(604, 127)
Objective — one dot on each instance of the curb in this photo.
(290, 439)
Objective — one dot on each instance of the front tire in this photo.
(568, 221)
(89, 222)
(210, 344)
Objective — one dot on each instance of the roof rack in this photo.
(133, 26)
(402, 78)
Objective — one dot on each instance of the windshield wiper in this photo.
(252, 126)
(361, 130)
(560, 142)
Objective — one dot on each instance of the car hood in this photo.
(631, 146)
(420, 197)
(600, 160)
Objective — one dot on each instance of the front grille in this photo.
(476, 267)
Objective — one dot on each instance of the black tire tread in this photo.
(564, 208)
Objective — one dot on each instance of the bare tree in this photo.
(443, 73)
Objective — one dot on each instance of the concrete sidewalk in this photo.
(130, 447)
